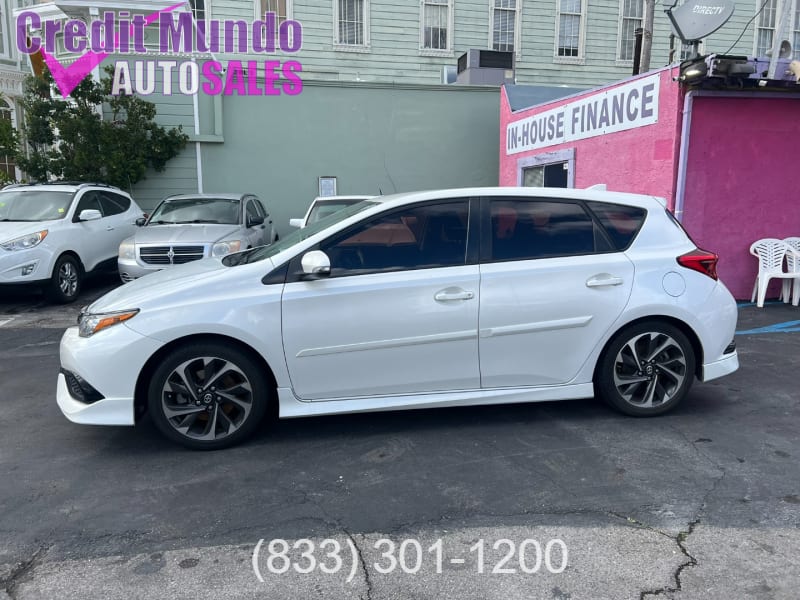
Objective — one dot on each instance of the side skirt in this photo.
(291, 407)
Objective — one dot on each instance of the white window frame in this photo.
(571, 60)
(365, 47)
(8, 105)
(517, 28)
(289, 11)
(625, 61)
(448, 51)
(792, 31)
(206, 10)
(260, 15)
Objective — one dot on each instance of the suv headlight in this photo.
(223, 248)
(127, 250)
(89, 324)
(24, 242)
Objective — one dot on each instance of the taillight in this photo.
(700, 261)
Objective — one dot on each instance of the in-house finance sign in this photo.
(628, 106)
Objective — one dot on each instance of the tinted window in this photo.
(253, 209)
(89, 201)
(434, 235)
(526, 229)
(114, 204)
(621, 222)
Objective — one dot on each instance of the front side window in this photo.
(89, 201)
(569, 29)
(631, 15)
(422, 237)
(350, 22)
(18, 205)
(505, 20)
(254, 209)
(196, 210)
(528, 229)
(435, 33)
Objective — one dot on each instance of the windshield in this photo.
(256, 254)
(325, 208)
(196, 210)
(20, 205)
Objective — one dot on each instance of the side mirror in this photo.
(296, 223)
(141, 221)
(90, 214)
(316, 264)
(255, 221)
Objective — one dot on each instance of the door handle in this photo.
(452, 294)
(603, 281)
(109, 228)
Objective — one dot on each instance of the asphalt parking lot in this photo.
(701, 503)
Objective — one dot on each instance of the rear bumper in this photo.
(720, 368)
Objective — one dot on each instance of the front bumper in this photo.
(110, 362)
(24, 266)
(131, 269)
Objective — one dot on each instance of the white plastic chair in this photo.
(793, 266)
(770, 253)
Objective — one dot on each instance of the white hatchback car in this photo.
(53, 234)
(443, 298)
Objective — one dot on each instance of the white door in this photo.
(97, 240)
(551, 286)
(398, 314)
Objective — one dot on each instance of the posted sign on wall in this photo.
(628, 106)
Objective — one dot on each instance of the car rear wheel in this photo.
(65, 283)
(646, 370)
(208, 396)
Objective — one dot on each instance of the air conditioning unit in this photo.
(485, 67)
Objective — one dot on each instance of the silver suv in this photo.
(190, 227)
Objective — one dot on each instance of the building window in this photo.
(505, 24)
(569, 33)
(765, 28)
(796, 32)
(436, 25)
(281, 8)
(631, 13)
(198, 9)
(8, 168)
(4, 50)
(351, 23)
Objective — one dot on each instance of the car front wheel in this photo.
(646, 370)
(65, 283)
(208, 396)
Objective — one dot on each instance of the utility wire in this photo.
(760, 10)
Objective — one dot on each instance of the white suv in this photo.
(53, 234)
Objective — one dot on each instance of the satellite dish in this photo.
(696, 19)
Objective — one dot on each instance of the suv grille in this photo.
(170, 255)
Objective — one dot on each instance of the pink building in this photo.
(726, 161)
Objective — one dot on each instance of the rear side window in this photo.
(114, 204)
(621, 222)
(529, 229)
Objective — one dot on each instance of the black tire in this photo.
(655, 383)
(200, 410)
(65, 283)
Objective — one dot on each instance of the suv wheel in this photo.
(646, 370)
(208, 396)
(65, 283)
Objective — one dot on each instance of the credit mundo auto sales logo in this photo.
(182, 39)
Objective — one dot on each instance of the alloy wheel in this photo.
(650, 369)
(68, 279)
(207, 398)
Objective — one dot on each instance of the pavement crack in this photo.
(641, 525)
(690, 561)
(362, 562)
(22, 572)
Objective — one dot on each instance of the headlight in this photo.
(89, 324)
(223, 248)
(127, 250)
(25, 242)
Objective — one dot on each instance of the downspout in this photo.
(683, 156)
(197, 145)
